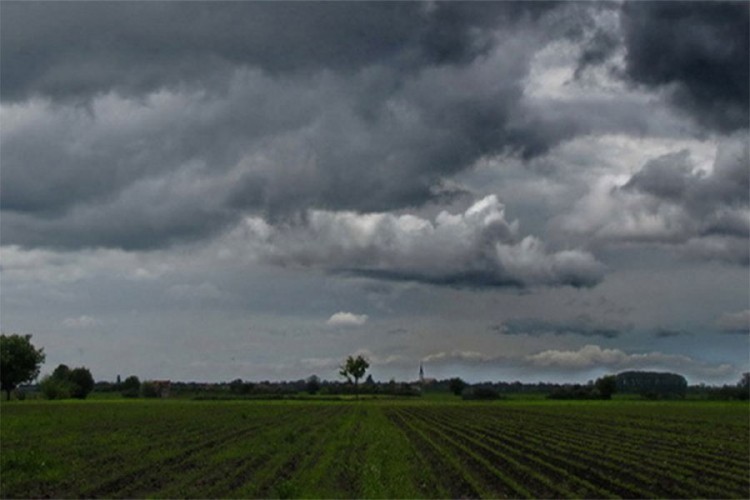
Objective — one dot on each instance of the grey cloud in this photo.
(398, 331)
(582, 325)
(74, 50)
(598, 49)
(151, 213)
(697, 50)
(276, 144)
(735, 323)
(478, 248)
(670, 178)
(670, 202)
(664, 333)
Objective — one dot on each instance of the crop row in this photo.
(183, 449)
(158, 453)
(724, 461)
(623, 470)
(696, 449)
(637, 454)
(550, 458)
(540, 476)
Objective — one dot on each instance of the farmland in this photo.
(407, 449)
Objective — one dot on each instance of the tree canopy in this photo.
(19, 361)
(354, 368)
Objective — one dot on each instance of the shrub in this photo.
(149, 390)
(456, 386)
(82, 382)
(54, 388)
(131, 387)
(480, 393)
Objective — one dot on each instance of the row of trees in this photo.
(20, 361)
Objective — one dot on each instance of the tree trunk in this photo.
(7, 392)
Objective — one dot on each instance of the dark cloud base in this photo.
(700, 49)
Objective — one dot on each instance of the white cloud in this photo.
(82, 321)
(347, 319)
(477, 248)
(457, 355)
(594, 356)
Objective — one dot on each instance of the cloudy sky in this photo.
(502, 191)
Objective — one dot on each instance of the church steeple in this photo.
(421, 374)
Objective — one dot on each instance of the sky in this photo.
(499, 191)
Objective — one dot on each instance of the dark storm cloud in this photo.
(597, 50)
(699, 50)
(133, 112)
(72, 50)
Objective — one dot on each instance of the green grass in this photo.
(431, 447)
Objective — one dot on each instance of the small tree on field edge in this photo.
(354, 368)
(19, 361)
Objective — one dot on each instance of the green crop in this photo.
(374, 449)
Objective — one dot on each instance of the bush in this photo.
(82, 382)
(313, 385)
(54, 388)
(479, 393)
(456, 386)
(576, 391)
(149, 390)
(131, 387)
(65, 383)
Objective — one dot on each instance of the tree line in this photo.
(20, 363)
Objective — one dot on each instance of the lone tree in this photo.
(354, 368)
(19, 361)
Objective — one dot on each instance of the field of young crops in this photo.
(374, 449)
